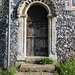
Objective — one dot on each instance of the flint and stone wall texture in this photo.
(3, 31)
(65, 27)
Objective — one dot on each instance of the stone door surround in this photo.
(22, 17)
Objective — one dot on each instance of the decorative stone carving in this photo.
(25, 3)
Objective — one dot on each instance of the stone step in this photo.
(33, 73)
(33, 59)
(36, 68)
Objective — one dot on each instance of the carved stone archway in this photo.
(49, 5)
(22, 17)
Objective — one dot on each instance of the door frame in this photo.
(51, 31)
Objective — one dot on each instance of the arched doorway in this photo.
(32, 44)
(37, 31)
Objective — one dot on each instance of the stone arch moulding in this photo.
(50, 7)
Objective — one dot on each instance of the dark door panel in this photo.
(37, 32)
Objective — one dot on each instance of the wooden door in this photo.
(37, 31)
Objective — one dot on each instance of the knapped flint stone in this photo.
(65, 46)
(65, 28)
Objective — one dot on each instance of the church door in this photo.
(37, 31)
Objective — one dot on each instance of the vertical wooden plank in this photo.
(37, 32)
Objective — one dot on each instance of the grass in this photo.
(66, 68)
(46, 61)
(56, 73)
(62, 68)
(11, 71)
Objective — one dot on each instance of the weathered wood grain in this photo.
(37, 33)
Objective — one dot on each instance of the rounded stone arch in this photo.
(51, 9)
(24, 5)
(38, 3)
